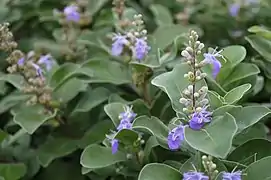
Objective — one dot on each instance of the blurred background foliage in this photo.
(55, 153)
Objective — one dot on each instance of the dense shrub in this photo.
(135, 89)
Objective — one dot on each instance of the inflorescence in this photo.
(134, 40)
(126, 119)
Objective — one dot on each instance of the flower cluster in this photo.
(135, 40)
(32, 67)
(235, 7)
(194, 99)
(6, 38)
(211, 172)
(76, 13)
(126, 119)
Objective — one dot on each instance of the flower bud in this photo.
(213, 166)
(201, 46)
(190, 87)
(196, 95)
(183, 100)
(204, 157)
(189, 49)
(185, 53)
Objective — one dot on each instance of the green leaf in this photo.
(165, 35)
(12, 171)
(235, 54)
(258, 170)
(32, 117)
(54, 148)
(173, 85)
(226, 109)
(249, 116)
(251, 151)
(152, 125)
(106, 71)
(91, 99)
(96, 134)
(12, 100)
(95, 156)
(261, 45)
(16, 80)
(126, 136)
(236, 94)
(95, 6)
(260, 30)
(68, 90)
(66, 72)
(241, 71)
(156, 171)
(215, 100)
(209, 139)
(162, 15)
(258, 130)
(150, 144)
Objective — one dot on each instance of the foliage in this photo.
(97, 90)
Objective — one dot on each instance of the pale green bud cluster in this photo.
(209, 166)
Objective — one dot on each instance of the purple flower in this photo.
(232, 176)
(47, 60)
(211, 58)
(21, 61)
(234, 9)
(124, 124)
(141, 48)
(199, 119)
(194, 176)
(128, 114)
(38, 70)
(71, 13)
(175, 137)
(114, 145)
(118, 44)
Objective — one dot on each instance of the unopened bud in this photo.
(201, 46)
(185, 75)
(185, 53)
(190, 88)
(183, 100)
(196, 95)
(189, 49)
(213, 166)
(198, 109)
(204, 157)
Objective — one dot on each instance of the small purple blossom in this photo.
(125, 123)
(199, 119)
(128, 114)
(211, 58)
(47, 61)
(119, 42)
(71, 13)
(194, 176)
(232, 176)
(141, 48)
(38, 70)
(234, 9)
(114, 145)
(175, 137)
(21, 61)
